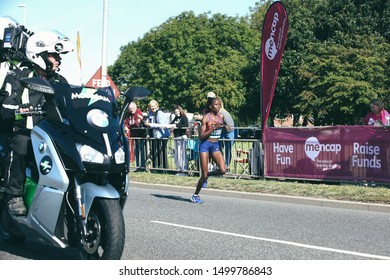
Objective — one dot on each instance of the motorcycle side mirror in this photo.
(37, 84)
(133, 93)
(137, 93)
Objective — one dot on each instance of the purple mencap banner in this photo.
(351, 153)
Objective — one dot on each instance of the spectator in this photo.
(180, 123)
(133, 121)
(227, 133)
(378, 114)
(210, 132)
(157, 120)
(308, 121)
(211, 95)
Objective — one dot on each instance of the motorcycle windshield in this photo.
(89, 111)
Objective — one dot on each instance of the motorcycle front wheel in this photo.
(105, 238)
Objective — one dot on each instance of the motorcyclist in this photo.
(43, 51)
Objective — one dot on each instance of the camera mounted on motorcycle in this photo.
(13, 43)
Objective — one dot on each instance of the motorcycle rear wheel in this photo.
(106, 232)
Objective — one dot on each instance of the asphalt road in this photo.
(162, 224)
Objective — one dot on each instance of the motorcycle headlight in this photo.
(120, 156)
(89, 154)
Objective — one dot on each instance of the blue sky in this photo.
(127, 21)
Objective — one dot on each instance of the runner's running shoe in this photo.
(196, 199)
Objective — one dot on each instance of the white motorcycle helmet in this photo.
(41, 44)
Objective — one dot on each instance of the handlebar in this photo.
(30, 113)
(24, 29)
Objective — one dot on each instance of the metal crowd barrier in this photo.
(151, 154)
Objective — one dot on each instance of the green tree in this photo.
(187, 56)
(336, 59)
(340, 81)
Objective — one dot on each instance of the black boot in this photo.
(16, 206)
(14, 184)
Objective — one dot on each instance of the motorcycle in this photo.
(77, 181)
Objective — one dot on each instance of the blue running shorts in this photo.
(209, 147)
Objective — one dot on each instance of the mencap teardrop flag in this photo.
(275, 29)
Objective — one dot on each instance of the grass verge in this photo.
(356, 193)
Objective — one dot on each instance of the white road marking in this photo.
(279, 241)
